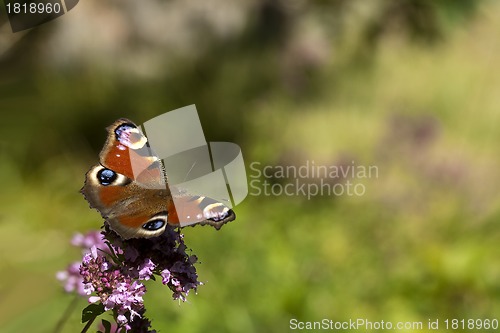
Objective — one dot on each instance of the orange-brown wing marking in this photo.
(110, 195)
(134, 221)
(173, 218)
(126, 150)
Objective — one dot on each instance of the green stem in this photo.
(65, 316)
(89, 323)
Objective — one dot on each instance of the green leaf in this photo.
(92, 311)
(107, 326)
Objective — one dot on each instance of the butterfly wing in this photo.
(128, 176)
(195, 209)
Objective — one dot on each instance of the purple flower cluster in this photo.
(71, 277)
(113, 270)
(115, 290)
(164, 255)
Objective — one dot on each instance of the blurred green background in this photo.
(412, 87)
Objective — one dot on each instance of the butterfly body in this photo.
(129, 187)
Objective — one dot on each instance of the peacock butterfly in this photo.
(129, 187)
